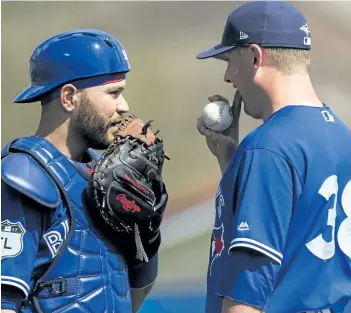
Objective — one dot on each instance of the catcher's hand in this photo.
(127, 186)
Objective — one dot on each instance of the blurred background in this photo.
(168, 84)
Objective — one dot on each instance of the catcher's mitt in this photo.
(127, 186)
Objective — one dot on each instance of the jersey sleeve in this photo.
(22, 223)
(250, 280)
(267, 186)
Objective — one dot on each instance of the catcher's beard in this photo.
(91, 126)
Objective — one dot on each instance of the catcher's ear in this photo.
(67, 93)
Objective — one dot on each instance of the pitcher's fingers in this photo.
(217, 97)
(210, 134)
(236, 106)
(200, 125)
(203, 130)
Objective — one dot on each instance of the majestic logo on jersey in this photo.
(54, 238)
(243, 226)
(217, 245)
(219, 201)
(11, 238)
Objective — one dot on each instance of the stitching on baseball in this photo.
(221, 108)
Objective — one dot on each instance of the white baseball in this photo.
(217, 115)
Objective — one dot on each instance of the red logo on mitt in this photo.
(128, 205)
(135, 184)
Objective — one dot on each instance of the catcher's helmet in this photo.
(72, 55)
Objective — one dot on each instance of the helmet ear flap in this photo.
(72, 55)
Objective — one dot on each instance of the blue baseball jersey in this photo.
(31, 235)
(286, 195)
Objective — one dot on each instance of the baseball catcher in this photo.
(80, 230)
(127, 188)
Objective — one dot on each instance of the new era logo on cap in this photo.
(243, 36)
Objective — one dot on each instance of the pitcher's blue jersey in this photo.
(287, 195)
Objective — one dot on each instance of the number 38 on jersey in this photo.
(321, 248)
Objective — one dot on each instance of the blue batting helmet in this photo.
(72, 55)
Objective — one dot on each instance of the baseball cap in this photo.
(269, 24)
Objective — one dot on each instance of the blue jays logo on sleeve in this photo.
(11, 238)
(217, 245)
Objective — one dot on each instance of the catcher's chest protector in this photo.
(88, 273)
